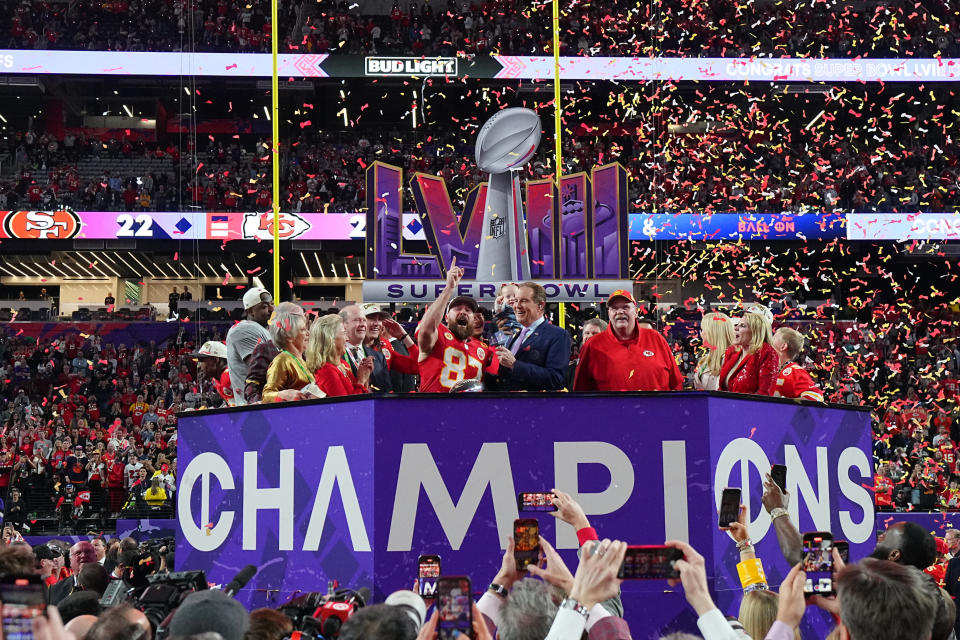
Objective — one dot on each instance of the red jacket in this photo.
(334, 381)
(643, 363)
(755, 374)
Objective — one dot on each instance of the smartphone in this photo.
(729, 507)
(535, 501)
(526, 542)
(428, 570)
(454, 602)
(779, 474)
(23, 598)
(843, 548)
(818, 563)
(649, 562)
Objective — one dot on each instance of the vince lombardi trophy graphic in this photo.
(505, 144)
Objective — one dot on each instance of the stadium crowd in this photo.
(90, 429)
(892, 593)
(717, 171)
(470, 27)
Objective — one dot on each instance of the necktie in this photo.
(519, 341)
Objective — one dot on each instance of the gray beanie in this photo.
(210, 610)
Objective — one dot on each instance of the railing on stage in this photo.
(356, 488)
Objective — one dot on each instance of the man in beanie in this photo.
(210, 610)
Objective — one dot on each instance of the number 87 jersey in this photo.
(451, 361)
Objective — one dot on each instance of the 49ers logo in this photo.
(33, 225)
(259, 226)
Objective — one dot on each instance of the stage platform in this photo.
(354, 489)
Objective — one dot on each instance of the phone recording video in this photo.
(779, 474)
(818, 563)
(454, 601)
(526, 542)
(535, 501)
(646, 562)
(427, 573)
(729, 507)
(23, 599)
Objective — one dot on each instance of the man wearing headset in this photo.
(537, 356)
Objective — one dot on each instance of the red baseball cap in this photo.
(621, 293)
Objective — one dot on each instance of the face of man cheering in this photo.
(460, 321)
(623, 317)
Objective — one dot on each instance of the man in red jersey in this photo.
(447, 353)
(626, 357)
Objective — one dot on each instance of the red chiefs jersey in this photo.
(406, 364)
(793, 381)
(451, 361)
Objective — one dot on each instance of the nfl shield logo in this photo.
(498, 227)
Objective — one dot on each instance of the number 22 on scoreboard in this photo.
(144, 226)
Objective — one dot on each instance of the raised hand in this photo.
(569, 510)
(454, 274)
(556, 571)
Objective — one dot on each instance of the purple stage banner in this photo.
(355, 489)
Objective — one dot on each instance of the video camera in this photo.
(319, 616)
(158, 598)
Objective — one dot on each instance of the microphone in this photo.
(363, 595)
(240, 580)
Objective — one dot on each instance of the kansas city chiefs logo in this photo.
(259, 226)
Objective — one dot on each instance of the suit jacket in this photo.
(380, 376)
(60, 590)
(951, 583)
(542, 361)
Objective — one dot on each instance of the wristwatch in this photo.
(744, 544)
(778, 512)
(498, 589)
(570, 603)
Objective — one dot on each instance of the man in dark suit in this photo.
(355, 323)
(80, 554)
(537, 356)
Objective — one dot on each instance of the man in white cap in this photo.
(212, 359)
(244, 336)
(399, 350)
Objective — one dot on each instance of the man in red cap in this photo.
(626, 357)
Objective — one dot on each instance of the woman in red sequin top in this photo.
(750, 365)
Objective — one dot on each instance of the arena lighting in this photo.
(137, 260)
(43, 270)
(26, 268)
(4, 120)
(5, 271)
(227, 269)
(95, 260)
(127, 109)
(266, 111)
(127, 264)
(92, 265)
(319, 266)
(70, 268)
(56, 270)
(17, 271)
(305, 265)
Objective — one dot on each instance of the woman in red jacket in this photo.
(325, 350)
(751, 364)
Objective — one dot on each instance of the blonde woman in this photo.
(325, 351)
(716, 333)
(758, 612)
(750, 365)
(288, 373)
